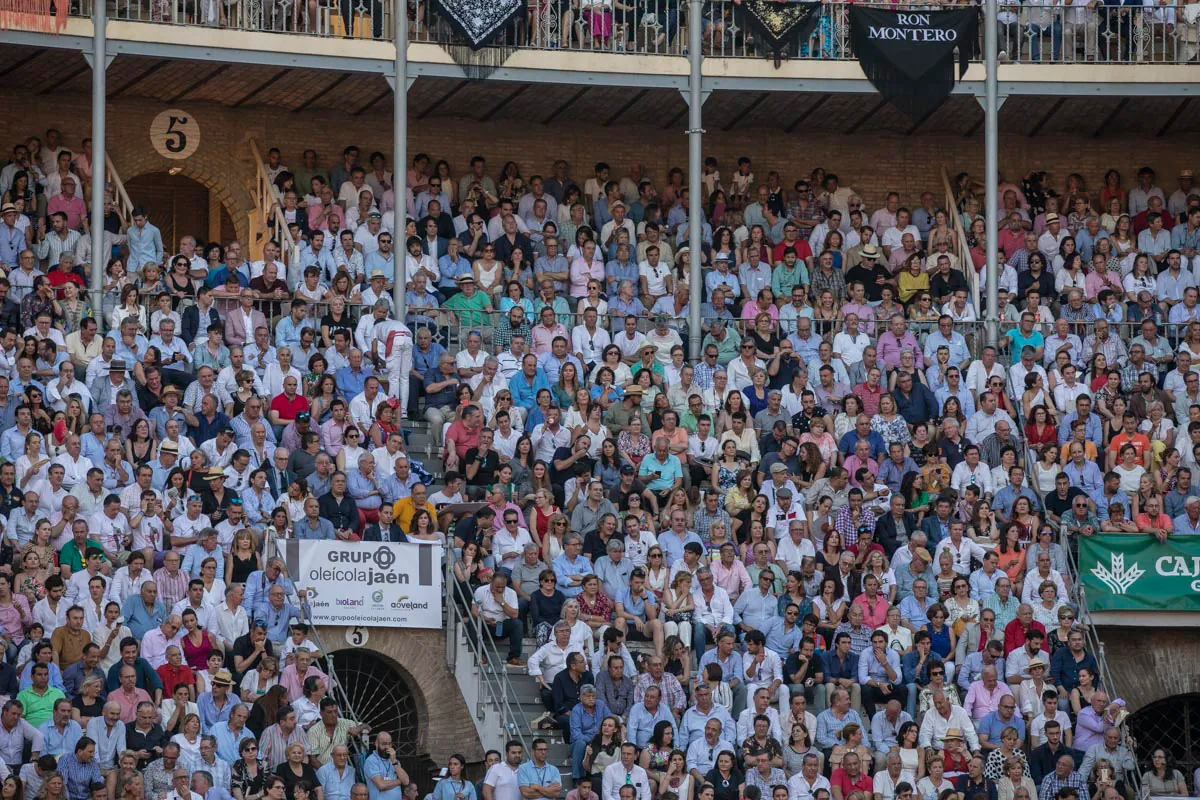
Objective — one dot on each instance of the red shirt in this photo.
(864, 783)
(803, 251)
(173, 676)
(1014, 634)
(464, 439)
(288, 409)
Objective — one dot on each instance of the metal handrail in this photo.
(359, 746)
(1095, 644)
(497, 689)
(269, 211)
(1037, 34)
(124, 205)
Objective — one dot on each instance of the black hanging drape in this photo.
(909, 55)
(780, 24)
(481, 23)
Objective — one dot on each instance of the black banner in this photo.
(780, 24)
(909, 55)
(481, 23)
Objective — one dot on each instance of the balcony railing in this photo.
(1027, 33)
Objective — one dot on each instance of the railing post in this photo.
(991, 108)
(400, 157)
(451, 615)
(695, 169)
(99, 145)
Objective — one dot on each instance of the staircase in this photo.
(267, 222)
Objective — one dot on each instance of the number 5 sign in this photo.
(175, 134)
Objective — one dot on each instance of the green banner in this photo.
(1134, 572)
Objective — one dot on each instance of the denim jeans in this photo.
(1035, 43)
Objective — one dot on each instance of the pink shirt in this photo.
(543, 337)
(1095, 282)
(734, 579)
(980, 702)
(889, 347)
(751, 311)
(874, 613)
(582, 272)
(73, 208)
(129, 702)
(294, 683)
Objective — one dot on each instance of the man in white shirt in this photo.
(793, 548)
(626, 772)
(941, 719)
(893, 237)
(230, 620)
(500, 782)
(971, 472)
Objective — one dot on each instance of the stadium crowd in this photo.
(843, 539)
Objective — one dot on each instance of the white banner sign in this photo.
(369, 584)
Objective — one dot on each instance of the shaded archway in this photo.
(180, 205)
(382, 696)
(1172, 724)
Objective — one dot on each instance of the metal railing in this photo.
(124, 206)
(1094, 644)
(495, 689)
(360, 746)
(1027, 33)
(269, 218)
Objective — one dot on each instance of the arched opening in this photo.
(382, 696)
(179, 206)
(1172, 724)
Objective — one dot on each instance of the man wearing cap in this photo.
(13, 240)
(472, 305)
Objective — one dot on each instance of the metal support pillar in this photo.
(991, 111)
(100, 62)
(400, 84)
(695, 173)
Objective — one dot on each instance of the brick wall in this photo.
(871, 164)
(420, 658)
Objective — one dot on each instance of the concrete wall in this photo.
(873, 164)
(1145, 674)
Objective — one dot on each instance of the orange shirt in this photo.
(1144, 522)
(1089, 452)
(1139, 441)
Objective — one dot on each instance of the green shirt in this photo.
(39, 708)
(469, 306)
(726, 350)
(783, 279)
(71, 556)
(561, 309)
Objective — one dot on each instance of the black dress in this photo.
(242, 568)
(290, 778)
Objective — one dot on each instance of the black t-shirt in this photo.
(801, 421)
(290, 778)
(560, 477)
(242, 648)
(489, 465)
(952, 452)
(942, 285)
(1057, 506)
(620, 497)
(873, 290)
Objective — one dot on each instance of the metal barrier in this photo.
(360, 747)
(495, 688)
(1094, 644)
(1160, 34)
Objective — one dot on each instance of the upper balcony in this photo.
(1126, 51)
